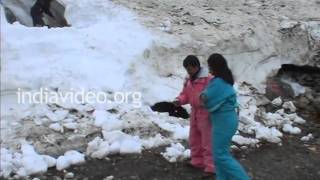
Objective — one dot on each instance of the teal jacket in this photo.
(219, 96)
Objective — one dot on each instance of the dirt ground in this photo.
(293, 160)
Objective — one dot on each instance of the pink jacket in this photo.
(192, 89)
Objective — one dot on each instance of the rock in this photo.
(16, 177)
(109, 178)
(244, 147)
(56, 178)
(277, 101)
(303, 102)
(314, 149)
(56, 127)
(134, 177)
(262, 101)
(69, 175)
(316, 104)
(289, 106)
(309, 95)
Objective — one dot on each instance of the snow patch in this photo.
(176, 152)
(69, 158)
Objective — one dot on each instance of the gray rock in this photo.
(309, 95)
(69, 175)
(262, 100)
(56, 178)
(316, 104)
(303, 102)
(134, 177)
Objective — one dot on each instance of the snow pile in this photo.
(307, 138)
(179, 131)
(176, 152)
(272, 134)
(26, 163)
(290, 129)
(122, 142)
(68, 159)
(106, 120)
(240, 140)
(29, 162)
(265, 126)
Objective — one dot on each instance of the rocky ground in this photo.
(293, 160)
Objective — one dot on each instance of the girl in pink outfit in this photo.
(200, 127)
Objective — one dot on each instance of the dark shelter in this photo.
(37, 10)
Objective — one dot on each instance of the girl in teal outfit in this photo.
(220, 99)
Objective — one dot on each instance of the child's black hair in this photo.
(191, 60)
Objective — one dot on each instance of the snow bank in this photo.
(81, 56)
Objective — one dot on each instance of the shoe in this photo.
(207, 175)
(189, 164)
(209, 170)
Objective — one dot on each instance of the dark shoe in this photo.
(189, 164)
(207, 175)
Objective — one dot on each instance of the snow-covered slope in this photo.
(256, 37)
(95, 52)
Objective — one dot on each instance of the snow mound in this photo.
(26, 163)
(176, 152)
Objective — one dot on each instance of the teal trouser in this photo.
(225, 125)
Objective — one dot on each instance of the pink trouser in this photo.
(200, 140)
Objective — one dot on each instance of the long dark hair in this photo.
(218, 65)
